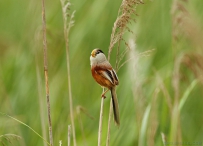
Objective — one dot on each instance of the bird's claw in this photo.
(103, 96)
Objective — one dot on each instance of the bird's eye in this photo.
(99, 51)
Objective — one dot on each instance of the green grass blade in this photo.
(4, 114)
(187, 93)
(144, 126)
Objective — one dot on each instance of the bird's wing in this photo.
(115, 77)
(107, 72)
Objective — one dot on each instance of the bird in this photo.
(105, 75)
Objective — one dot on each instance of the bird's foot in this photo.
(103, 96)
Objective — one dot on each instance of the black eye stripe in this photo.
(99, 51)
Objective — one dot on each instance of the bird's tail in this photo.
(115, 106)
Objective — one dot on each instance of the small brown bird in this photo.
(104, 74)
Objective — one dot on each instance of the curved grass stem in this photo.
(4, 114)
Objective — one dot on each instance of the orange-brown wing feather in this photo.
(110, 71)
(105, 75)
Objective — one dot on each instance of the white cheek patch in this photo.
(100, 57)
(92, 60)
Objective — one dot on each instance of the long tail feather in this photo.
(115, 106)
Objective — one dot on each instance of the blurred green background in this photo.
(158, 93)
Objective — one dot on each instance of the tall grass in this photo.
(159, 66)
(67, 26)
(120, 27)
(8, 138)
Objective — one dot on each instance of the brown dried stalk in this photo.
(38, 38)
(46, 72)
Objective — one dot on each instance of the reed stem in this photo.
(46, 72)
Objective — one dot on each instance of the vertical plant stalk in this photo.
(153, 124)
(175, 123)
(177, 25)
(70, 93)
(69, 133)
(67, 26)
(41, 105)
(163, 137)
(60, 142)
(46, 72)
(38, 38)
(100, 121)
(120, 27)
(109, 124)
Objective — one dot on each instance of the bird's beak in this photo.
(93, 53)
